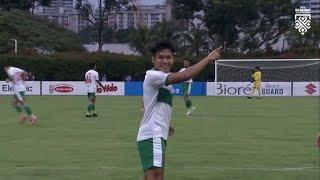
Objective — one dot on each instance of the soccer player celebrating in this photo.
(91, 80)
(17, 77)
(256, 78)
(187, 89)
(157, 98)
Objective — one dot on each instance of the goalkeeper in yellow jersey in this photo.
(256, 79)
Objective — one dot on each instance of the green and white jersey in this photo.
(17, 80)
(91, 77)
(190, 80)
(157, 100)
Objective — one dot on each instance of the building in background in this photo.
(148, 16)
(62, 12)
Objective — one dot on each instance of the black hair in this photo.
(92, 65)
(257, 67)
(160, 46)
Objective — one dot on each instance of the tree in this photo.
(86, 9)
(191, 14)
(25, 5)
(249, 24)
(141, 39)
(90, 34)
(223, 17)
(310, 39)
(272, 21)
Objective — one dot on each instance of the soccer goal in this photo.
(273, 70)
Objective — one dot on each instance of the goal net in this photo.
(273, 70)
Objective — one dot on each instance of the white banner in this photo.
(210, 89)
(306, 88)
(32, 88)
(80, 88)
(244, 89)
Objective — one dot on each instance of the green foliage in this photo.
(223, 16)
(141, 39)
(186, 10)
(71, 66)
(33, 32)
(258, 21)
(310, 39)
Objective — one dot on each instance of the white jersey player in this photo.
(157, 98)
(91, 80)
(17, 77)
(186, 89)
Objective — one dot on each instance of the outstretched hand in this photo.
(215, 54)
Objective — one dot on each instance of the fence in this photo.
(136, 88)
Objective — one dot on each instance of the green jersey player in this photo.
(17, 77)
(157, 98)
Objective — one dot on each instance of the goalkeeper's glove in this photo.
(252, 80)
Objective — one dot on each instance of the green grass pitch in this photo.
(228, 138)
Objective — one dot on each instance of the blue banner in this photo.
(136, 89)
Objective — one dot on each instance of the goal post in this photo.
(273, 70)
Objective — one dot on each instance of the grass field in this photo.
(228, 138)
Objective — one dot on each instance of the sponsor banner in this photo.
(111, 89)
(64, 88)
(244, 89)
(136, 89)
(80, 88)
(32, 88)
(306, 88)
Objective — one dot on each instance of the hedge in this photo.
(72, 66)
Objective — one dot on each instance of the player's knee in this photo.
(22, 103)
(154, 174)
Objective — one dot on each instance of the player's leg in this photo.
(253, 90)
(154, 174)
(89, 106)
(26, 107)
(18, 108)
(152, 155)
(188, 102)
(259, 91)
(317, 141)
(94, 106)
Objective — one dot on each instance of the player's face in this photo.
(163, 60)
